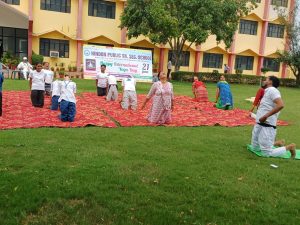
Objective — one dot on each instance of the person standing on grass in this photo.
(67, 100)
(1, 83)
(101, 81)
(223, 95)
(163, 101)
(25, 67)
(37, 86)
(264, 132)
(55, 91)
(129, 97)
(226, 69)
(112, 94)
(169, 70)
(49, 78)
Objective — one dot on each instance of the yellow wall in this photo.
(57, 25)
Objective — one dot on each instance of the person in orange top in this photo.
(259, 95)
(199, 90)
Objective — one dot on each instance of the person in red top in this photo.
(259, 95)
(199, 90)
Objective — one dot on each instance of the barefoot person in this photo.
(259, 95)
(129, 98)
(112, 94)
(37, 86)
(101, 81)
(163, 98)
(49, 78)
(224, 95)
(264, 132)
(199, 90)
(67, 100)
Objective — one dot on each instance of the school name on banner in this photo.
(121, 62)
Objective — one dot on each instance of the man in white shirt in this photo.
(37, 86)
(112, 94)
(55, 91)
(264, 132)
(67, 100)
(48, 79)
(25, 68)
(101, 81)
(129, 98)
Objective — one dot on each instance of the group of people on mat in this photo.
(161, 92)
(223, 96)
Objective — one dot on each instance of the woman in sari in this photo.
(162, 93)
(199, 90)
(223, 96)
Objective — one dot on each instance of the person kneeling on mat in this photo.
(264, 132)
(67, 100)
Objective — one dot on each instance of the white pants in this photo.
(129, 99)
(264, 138)
(112, 94)
(25, 74)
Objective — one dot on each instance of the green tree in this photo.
(181, 23)
(291, 55)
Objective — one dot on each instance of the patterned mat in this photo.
(95, 111)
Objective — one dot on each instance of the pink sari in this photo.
(160, 112)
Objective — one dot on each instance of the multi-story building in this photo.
(65, 26)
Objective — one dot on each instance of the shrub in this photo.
(35, 58)
(231, 78)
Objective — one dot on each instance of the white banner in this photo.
(121, 62)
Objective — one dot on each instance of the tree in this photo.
(182, 23)
(291, 55)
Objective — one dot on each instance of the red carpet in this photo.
(95, 111)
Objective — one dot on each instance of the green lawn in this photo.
(157, 176)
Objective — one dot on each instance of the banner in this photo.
(121, 62)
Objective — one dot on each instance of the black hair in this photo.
(37, 63)
(44, 63)
(103, 65)
(275, 81)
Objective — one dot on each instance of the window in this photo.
(56, 5)
(212, 60)
(244, 62)
(185, 58)
(275, 30)
(271, 64)
(47, 45)
(248, 27)
(14, 40)
(283, 3)
(12, 2)
(100, 8)
(149, 49)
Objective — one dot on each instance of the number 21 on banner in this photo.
(145, 66)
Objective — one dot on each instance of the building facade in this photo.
(64, 26)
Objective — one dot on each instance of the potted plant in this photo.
(74, 68)
(61, 73)
(69, 68)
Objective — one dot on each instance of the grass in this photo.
(147, 175)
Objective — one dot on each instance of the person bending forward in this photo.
(264, 132)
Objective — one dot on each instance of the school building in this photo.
(58, 29)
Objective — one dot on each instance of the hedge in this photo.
(231, 78)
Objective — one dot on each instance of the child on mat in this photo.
(49, 78)
(112, 94)
(129, 98)
(55, 90)
(37, 86)
(264, 132)
(67, 100)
